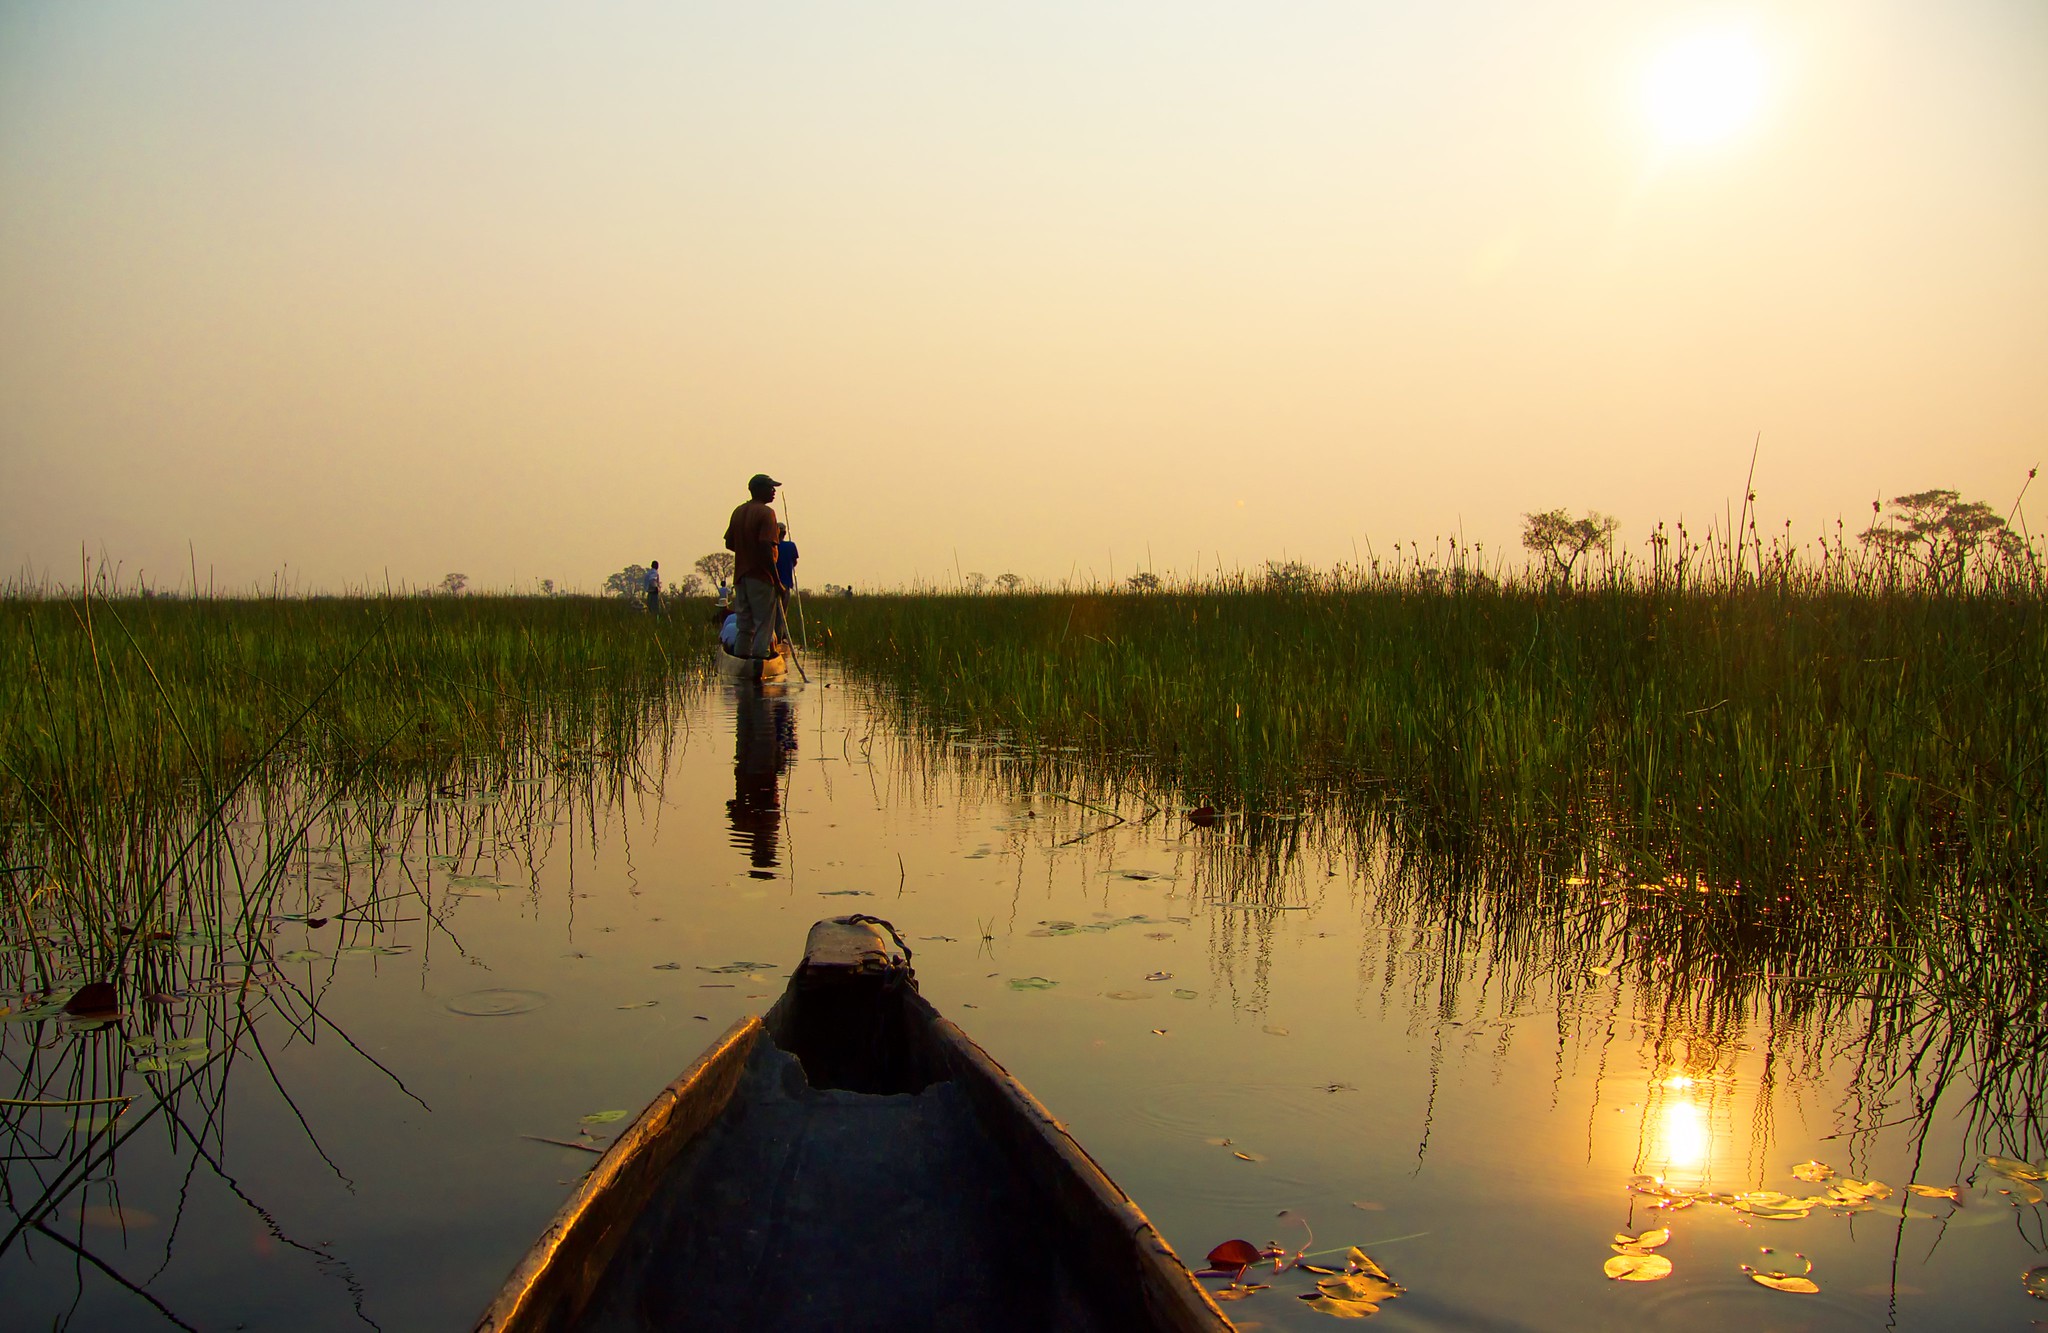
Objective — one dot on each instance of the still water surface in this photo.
(1231, 1029)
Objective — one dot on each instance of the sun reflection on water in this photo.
(1684, 1128)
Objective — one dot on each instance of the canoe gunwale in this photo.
(1091, 1201)
(554, 1280)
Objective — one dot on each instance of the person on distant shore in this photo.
(751, 535)
(785, 574)
(652, 586)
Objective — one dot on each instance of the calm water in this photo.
(1235, 1021)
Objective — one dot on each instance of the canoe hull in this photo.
(766, 669)
(765, 1188)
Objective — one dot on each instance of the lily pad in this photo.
(2014, 1169)
(603, 1117)
(1187, 995)
(33, 1012)
(1032, 983)
(301, 956)
(496, 1002)
(1126, 995)
(1813, 1172)
(2035, 1282)
(736, 969)
(1792, 1282)
(1949, 1192)
(1637, 1268)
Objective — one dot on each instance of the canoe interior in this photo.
(863, 1167)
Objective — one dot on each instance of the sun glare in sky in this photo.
(1704, 88)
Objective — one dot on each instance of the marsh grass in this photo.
(1803, 790)
(135, 732)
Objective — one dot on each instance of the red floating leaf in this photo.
(94, 998)
(1235, 1255)
(1202, 815)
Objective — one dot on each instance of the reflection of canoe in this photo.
(850, 1162)
(753, 668)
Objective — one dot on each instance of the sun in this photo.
(1704, 88)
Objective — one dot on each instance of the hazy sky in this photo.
(392, 289)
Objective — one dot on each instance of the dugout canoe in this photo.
(852, 1161)
(753, 668)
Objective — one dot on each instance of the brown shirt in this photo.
(750, 536)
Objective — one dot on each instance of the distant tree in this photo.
(1289, 576)
(453, 584)
(717, 567)
(1939, 532)
(838, 590)
(547, 587)
(1559, 539)
(691, 586)
(629, 583)
(1144, 581)
(1009, 582)
(975, 581)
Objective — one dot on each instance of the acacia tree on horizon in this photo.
(1560, 540)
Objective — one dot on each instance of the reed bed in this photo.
(1779, 738)
(135, 731)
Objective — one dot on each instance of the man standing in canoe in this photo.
(757, 591)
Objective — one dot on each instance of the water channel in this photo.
(365, 1125)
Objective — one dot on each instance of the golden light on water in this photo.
(1704, 88)
(1682, 1139)
(1683, 1117)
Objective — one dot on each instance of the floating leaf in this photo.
(1031, 983)
(302, 956)
(2035, 1282)
(1340, 1309)
(1803, 1286)
(1948, 1192)
(1235, 1254)
(93, 1000)
(1813, 1172)
(1126, 995)
(1637, 1267)
(1368, 1287)
(602, 1117)
(1248, 1156)
(2024, 1192)
(2014, 1169)
(1649, 1240)
(639, 1004)
(1854, 1190)
(1159, 976)
(1186, 995)
(376, 948)
(1237, 1292)
(1361, 1261)
(1274, 1031)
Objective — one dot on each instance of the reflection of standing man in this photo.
(757, 587)
(764, 738)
